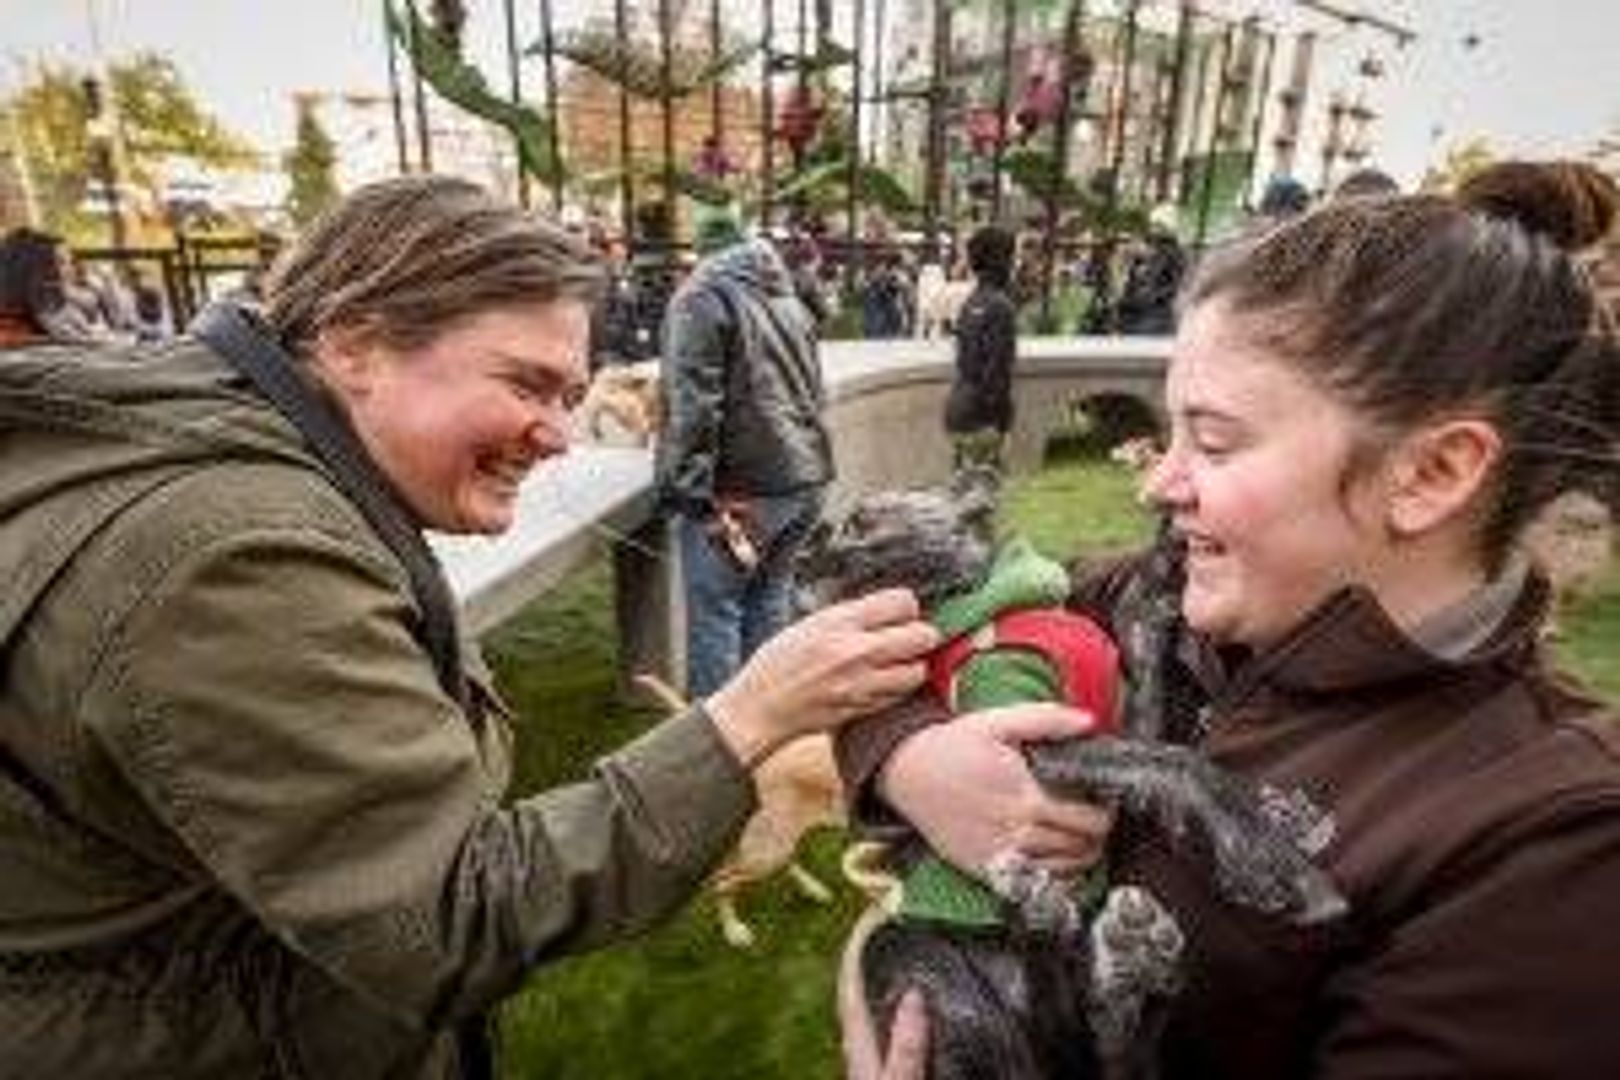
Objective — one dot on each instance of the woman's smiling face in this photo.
(1254, 480)
(457, 424)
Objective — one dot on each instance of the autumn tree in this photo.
(158, 118)
(309, 165)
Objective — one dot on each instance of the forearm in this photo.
(863, 748)
(585, 865)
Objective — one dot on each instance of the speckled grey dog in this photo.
(1061, 990)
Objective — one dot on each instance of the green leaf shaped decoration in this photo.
(463, 85)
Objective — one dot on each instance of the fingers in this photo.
(906, 641)
(1058, 850)
(886, 685)
(1070, 818)
(908, 1040)
(1036, 722)
(882, 608)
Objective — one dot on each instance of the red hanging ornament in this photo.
(1042, 99)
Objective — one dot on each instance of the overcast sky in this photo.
(1543, 79)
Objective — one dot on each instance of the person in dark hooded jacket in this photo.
(744, 458)
(979, 409)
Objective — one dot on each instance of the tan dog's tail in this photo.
(661, 692)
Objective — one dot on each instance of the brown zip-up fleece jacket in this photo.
(1474, 806)
(243, 831)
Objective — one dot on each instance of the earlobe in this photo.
(1440, 472)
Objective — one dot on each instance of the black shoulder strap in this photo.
(238, 337)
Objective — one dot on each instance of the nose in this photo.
(1168, 484)
(546, 432)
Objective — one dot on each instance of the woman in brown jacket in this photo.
(1367, 403)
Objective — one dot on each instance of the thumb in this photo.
(1038, 722)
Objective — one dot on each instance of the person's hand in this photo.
(966, 786)
(734, 530)
(842, 662)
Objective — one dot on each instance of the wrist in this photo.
(891, 779)
(742, 729)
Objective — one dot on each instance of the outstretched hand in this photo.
(966, 786)
(842, 662)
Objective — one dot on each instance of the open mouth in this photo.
(1200, 546)
(505, 473)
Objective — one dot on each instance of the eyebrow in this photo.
(1196, 413)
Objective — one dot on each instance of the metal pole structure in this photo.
(1009, 26)
(401, 146)
(801, 40)
(717, 122)
(1196, 115)
(1259, 124)
(934, 178)
(666, 67)
(880, 108)
(1159, 114)
(1207, 190)
(1127, 62)
(514, 75)
(767, 102)
(1170, 155)
(547, 45)
(852, 211)
(627, 184)
(424, 138)
(1073, 25)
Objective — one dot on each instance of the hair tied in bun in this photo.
(1571, 203)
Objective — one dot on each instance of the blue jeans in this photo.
(730, 612)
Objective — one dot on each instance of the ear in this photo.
(1437, 473)
(347, 360)
(976, 490)
(974, 485)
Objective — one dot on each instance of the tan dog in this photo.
(1139, 455)
(939, 300)
(798, 789)
(623, 406)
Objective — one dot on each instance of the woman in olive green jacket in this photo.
(250, 775)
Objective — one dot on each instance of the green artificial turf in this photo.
(681, 1003)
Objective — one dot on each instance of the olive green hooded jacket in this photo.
(243, 832)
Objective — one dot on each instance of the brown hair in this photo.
(405, 258)
(1410, 308)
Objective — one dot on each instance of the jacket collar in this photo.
(1350, 643)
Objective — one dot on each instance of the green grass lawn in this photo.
(680, 1003)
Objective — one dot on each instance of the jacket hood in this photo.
(753, 265)
(88, 430)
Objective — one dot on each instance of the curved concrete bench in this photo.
(886, 400)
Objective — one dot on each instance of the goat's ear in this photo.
(976, 485)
